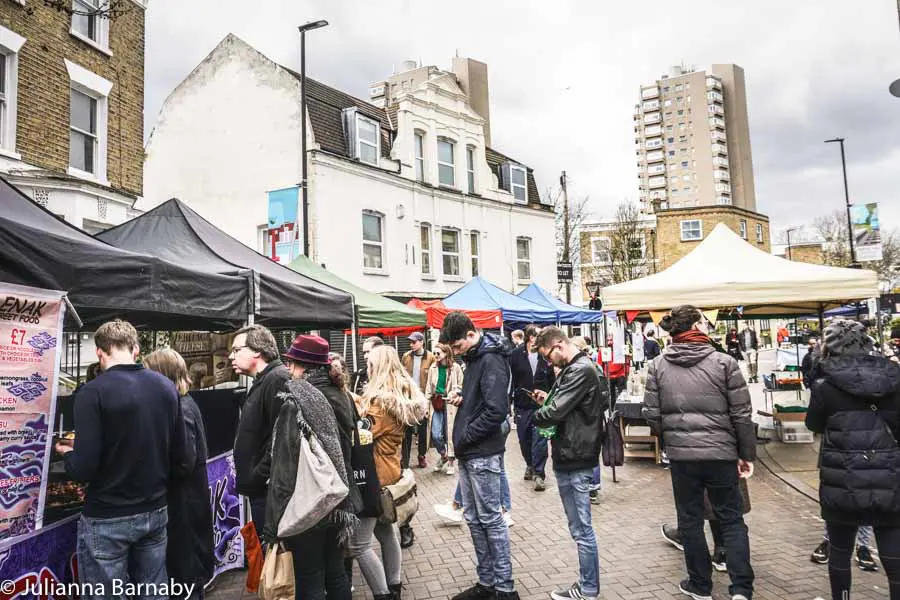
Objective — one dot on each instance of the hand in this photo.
(539, 396)
(745, 469)
(454, 398)
(63, 448)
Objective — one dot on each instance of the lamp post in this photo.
(846, 197)
(303, 173)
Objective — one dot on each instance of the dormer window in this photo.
(367, 140)
(518, 177)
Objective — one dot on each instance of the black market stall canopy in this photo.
(280, 296)
(39, 249)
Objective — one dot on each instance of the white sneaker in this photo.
(508, 519)
(453, 516)
(440, 465)
(450, 469)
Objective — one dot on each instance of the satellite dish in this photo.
(895, 88)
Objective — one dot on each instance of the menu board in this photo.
(31, 321)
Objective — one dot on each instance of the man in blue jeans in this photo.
(479, 440)
(572, 414)
(130, 444)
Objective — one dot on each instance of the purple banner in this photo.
(43, 560)
(228, 513)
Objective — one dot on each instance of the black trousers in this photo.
(422, 430)
(842, 539)
(720, 481)
(319, 565)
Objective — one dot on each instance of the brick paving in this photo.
(635, 562)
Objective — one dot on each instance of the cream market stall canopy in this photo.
(39, 249)
(724, 271)
(174, 232)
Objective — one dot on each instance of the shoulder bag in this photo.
(400, 501)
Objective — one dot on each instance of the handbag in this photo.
(362, 460)
(400, 501)
(318, 489)
(277, 580)
(254, 555)
(437, 402)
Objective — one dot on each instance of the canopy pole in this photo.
(354, 335)
(879, 324)
(797, 333)
(821, 320)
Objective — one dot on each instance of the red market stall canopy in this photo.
(435, 311)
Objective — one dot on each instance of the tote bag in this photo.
(362, 459)
(277, 580)
(318, 489)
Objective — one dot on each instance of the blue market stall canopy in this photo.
(480, 294)
(282, 296)
(567, 314)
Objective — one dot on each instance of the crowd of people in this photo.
(142, 450)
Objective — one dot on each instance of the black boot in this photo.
(396, 591)
(388, 596)
(407, 537)
(476, 592)
(513, 595)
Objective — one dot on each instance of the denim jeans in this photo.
(438, 431)
(532, 445)
(719, 478)
(120, 549)
(319, 565)
(377, 573)
(597, 479)
(481, 484)
(574, 491)
(505, 498)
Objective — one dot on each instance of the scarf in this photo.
(691, 336)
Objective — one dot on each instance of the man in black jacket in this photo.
(479, 439)
(575, 408)
(254, 353)
(530, 372)
(361, 377)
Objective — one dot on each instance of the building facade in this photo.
(406, 198)
(72, 107)
(692, 135)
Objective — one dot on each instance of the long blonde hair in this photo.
(392, 387)
(169, 363)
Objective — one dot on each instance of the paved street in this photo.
(635, 562)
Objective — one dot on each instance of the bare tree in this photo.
(578, 214)
(628, 257)
(106, 9)
(836, 249)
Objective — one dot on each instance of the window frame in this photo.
(425, 255)
(470, 169)
(475, 252)
(699, 228)
(100, 25)
(513, 185)
(10, 45)
(419, 155)
(449, 254)
(605, 250)
(450, 165)
(381, 245)
(742, 228)
(360, 142)
(523, 261)
(92, 85)
(759, 234)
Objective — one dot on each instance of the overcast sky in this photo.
(564, 78)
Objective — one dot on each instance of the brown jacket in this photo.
(387, 435)
(427, 360)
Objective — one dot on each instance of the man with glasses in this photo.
(254, 353)
(573, 413)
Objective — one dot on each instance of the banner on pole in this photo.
(31, 322)
(866, 232)
(228, 513)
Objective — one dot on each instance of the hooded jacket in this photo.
(855, 404)
(580, 398)
(698, 399)
(481, 423)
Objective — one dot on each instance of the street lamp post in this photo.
(846, 197)
(304, 187)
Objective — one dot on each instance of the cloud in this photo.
(564, 78)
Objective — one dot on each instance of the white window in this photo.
(420, 156)
(425, 243)
(474, 245)
(523, 258)
(518, 183)
(10, 44)
(759, 233)
(691, 230)
(367, 141)
(450, 252)
(600, 254)
(470, 168)
(87, 123)
(89, 25)
(446, 168)
(743, 228)
(373, 241)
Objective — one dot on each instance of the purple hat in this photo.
(309, 349)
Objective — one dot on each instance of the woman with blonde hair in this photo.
(390, 402)
(189, 551)
(444, 376)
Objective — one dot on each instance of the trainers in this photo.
(719, 560)
(513, 595)
(672, 536)
(864, 559)
(507, 518)
(820, 554)
(529, 474)
(595, 496)
(476, 592)
(689, 589)
(407, 536)
(539, 484)
(739, 597)
(440, 465)
(453, 516)
(450, 469)
(572, 593)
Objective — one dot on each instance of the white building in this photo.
(407, 200)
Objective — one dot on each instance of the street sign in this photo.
(564, 272)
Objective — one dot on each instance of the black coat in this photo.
(252, 448)
(523, 379)
(651, 349)
(855, 404)
(754, 342)
(576, 406)
(189, 552)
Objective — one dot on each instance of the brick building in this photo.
(72, 107)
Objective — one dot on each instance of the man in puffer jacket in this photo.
(698, 399)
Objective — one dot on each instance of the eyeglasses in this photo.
(236, 349)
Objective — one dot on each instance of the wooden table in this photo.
(629, 413)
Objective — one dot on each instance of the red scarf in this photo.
(691, 336)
